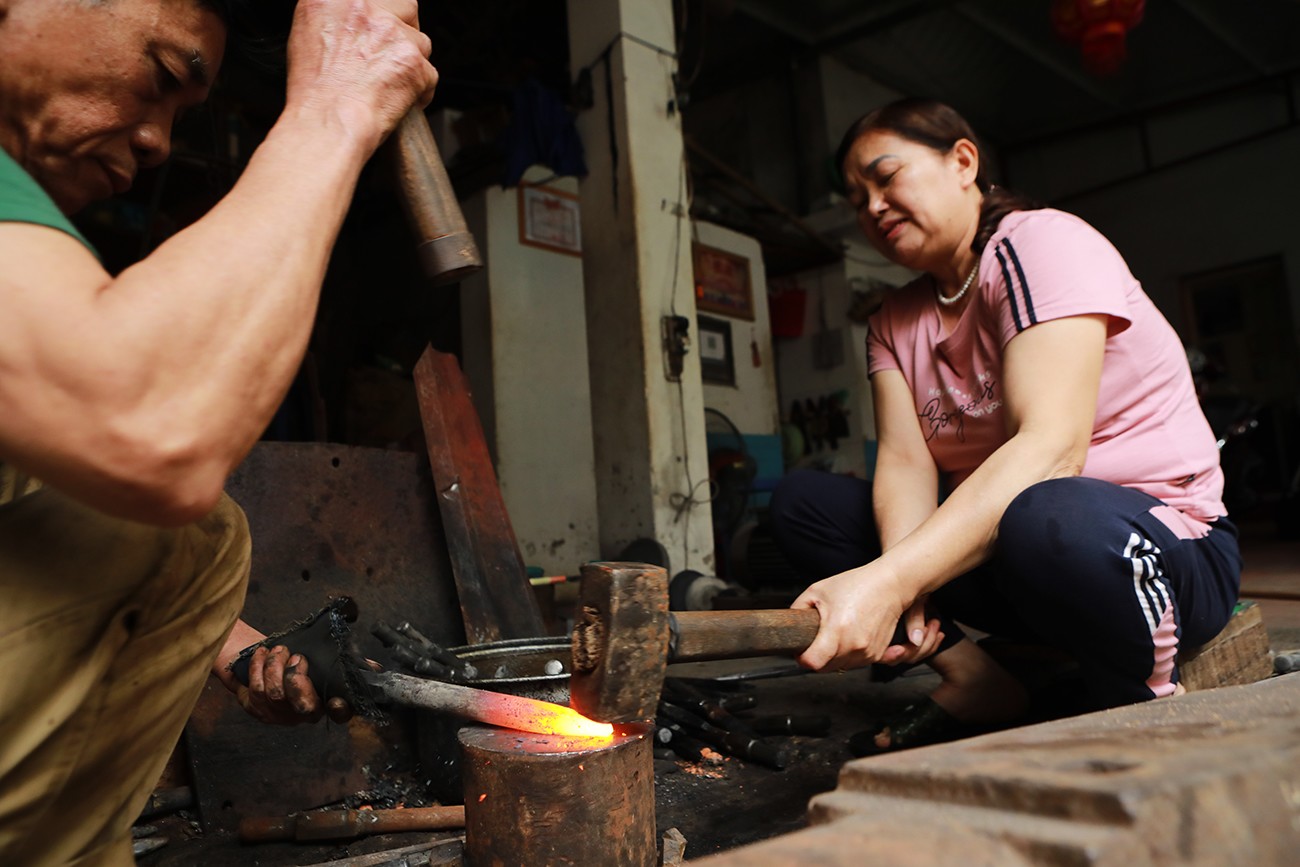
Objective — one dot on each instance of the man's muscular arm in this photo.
(140, 394)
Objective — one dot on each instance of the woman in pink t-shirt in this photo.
(1044, 471)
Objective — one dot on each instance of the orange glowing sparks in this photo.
(482, 797)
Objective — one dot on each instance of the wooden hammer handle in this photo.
(730, 634)
(446, 248)
(346, 824)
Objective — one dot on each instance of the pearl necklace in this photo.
(948, 302)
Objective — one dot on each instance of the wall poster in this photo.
(722, 283)
(550, 219)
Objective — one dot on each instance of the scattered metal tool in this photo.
(692, 715)
(1286, 661)
(685, 745)
(736, 743)
(448, 851)
(703, 705)
(145, 845)
(419, 654)
(336, 669)
(437, 651)
(165, 801)
(808, 725)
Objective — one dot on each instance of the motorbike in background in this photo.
(1233, 418)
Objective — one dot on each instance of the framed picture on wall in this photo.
(550, 219)
(722, 283)
(717, 365)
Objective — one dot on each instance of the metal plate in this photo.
(532, 667)
(325, 520)
(496, 599)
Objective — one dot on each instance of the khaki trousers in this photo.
(108, 629)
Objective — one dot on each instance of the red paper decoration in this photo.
(1100, 28)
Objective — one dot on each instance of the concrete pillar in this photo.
(649, 431)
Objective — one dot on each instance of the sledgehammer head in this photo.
(620, 641)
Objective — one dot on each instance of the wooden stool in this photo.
(1239, 654)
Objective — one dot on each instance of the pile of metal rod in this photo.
(146, 836)
(416, 652)
(693, 722)
(696, 723)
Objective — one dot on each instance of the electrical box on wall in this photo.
(676, 332)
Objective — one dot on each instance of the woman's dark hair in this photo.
(938, 126)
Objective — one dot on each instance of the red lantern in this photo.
(1100, 27)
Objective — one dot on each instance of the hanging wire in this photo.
(684, 24)
(683, 503)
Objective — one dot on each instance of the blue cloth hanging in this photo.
(541, 132)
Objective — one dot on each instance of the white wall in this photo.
(523, 322)
(751, 403)
(798, 376)
(799, 379)
(752, 131)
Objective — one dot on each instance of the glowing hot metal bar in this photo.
(495, 708)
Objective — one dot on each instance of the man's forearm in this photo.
(198, 343)
(241, 635)
(222, 312)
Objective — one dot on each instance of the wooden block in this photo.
(1239, 654)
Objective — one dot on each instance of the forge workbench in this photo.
(715, 807)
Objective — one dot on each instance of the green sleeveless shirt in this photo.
(23, 201)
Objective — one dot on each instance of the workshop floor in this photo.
(724, 806)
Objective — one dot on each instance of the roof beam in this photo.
(779, 22)
(1036, 53)
(849, 28)
(1212, 21)
(877, 21)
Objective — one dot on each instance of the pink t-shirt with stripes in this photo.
(1149, 433)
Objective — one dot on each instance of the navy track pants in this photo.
(1082, 565)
